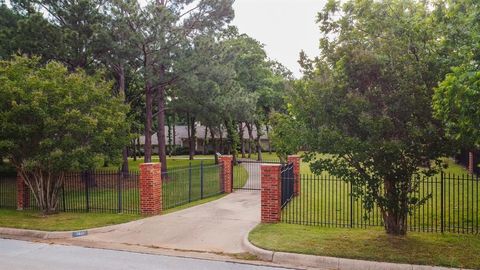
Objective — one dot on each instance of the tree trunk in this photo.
(205, 138)
(134, 147)
(257, 140)
(396, 209)
(174, 131)
(250, 139)
(193, 138)
(139, 147)
(147, 147)
(161, 127)
(222, 146)
(268, 136)
(169, 146)
(120, 70)
(45, 187)
(242, 140)
(232, 138)
(215, 145)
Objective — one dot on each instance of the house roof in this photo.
(181, 133)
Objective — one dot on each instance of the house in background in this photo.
(204, 141)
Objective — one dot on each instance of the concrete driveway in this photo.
(217, 226)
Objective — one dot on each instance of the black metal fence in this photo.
(288, 178)
(111, 191)
(182, 186)
(452, 205)
(8, 191)
(104, 191)
(100, 191)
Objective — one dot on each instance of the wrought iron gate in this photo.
(246, 174)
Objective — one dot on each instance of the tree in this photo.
(367, 103)
(160, 31)
(457, 99)
(75, 30)
(457, 104)
(53, 121)
(254, 74)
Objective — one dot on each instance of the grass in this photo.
(240, 176)
(194, 203)
(451, 250)
(61, 221)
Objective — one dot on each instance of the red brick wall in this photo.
(23, 193)
(226, 173)
(296, 171)
(150, 189)
(271, 193)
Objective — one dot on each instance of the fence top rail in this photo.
(260, 162)
(196, 167)
(454, 178)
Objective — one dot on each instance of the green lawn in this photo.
(451, 250)
(61, 221)
(240, 176)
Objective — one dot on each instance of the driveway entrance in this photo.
(217, 226)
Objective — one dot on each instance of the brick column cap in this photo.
(294, 156)
(228, 156)
(149, 164)
(271, 165)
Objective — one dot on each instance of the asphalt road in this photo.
(26, 255)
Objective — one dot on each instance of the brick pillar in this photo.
(150, 189)
(23, 193)
(271, 193)
(296, 173)
(470, 162)
(226, 173)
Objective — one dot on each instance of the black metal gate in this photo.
(246, 174)
(288, 178)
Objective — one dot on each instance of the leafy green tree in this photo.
(76, 30)
(366, 103)
(457, 98)
(255, 75)
(29, 34)
(53, 121)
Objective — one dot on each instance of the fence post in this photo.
(119, 186)
(201, 179)
(442, 203)
(295, 159)
(87, 195)
(351, 205)
(190, 181)
(23, 193)
(150, 189)
(226, 172)
(63, 196)
(271, 195)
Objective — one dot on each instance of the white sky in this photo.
(284, 26)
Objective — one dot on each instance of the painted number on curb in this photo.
(79, 233)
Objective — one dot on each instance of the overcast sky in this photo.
(284, 26)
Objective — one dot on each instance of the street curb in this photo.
(57, 234)
(325, 262)
(262, 254)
